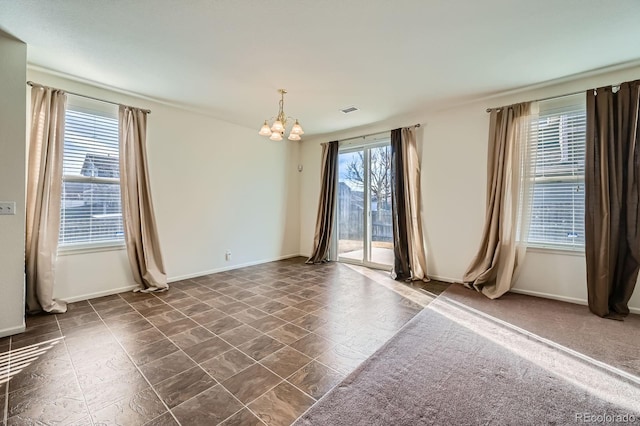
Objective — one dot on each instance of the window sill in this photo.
(90, 248)
(556, 250)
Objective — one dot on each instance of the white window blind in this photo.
(557, 203)
(90, 212)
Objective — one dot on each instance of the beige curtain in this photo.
(612, 198)
(410, 258)
(141, 235)
(44, 189)
(326, 204)
(493, 270)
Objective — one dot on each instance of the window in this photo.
(90, 213)
(557, 203)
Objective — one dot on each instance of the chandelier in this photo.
(277, 129)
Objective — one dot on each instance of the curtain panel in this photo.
(326, 204)
(44, 192)
(493, 269)
(140, 230)
(612, 195)
(410, 260)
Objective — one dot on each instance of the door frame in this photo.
(354, 145)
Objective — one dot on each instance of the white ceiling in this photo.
(389, 58)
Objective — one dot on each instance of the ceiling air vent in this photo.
(347, 110)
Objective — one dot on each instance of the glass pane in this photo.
(351, 205)
(557, 214)
(560, 146)
(90, 212)
(380, 190)
(90, 145)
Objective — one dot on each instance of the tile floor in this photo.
(252, 346)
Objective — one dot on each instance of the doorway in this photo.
(364, 219)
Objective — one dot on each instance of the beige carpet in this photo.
(453, 364)
(612, 342)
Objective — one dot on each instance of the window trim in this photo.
(538, 248)
(96, 247)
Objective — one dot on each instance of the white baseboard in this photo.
(13, 330)
(561, 298)
(170, 279)
(229, 268)
(575, 300)
(445, 279)
(99, 294)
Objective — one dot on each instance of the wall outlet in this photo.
(7, 207)
(227, 255)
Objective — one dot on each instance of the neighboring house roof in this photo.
(100, 166)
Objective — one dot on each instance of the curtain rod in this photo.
(554, 97)
(373, 134)
(31, 83)
(382, 131)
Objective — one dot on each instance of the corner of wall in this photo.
(13, 69)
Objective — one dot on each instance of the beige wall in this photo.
(12, 182)
(454, 151)
(220, 186)
(215, 186)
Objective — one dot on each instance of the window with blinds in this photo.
(557, 202)
(90, 211)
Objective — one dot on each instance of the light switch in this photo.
(7, 207)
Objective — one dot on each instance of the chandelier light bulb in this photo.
(297, 129)
(276, 136)
(265, 130)
(294, 136)
(277, 126)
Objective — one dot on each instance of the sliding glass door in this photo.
(364, 226)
